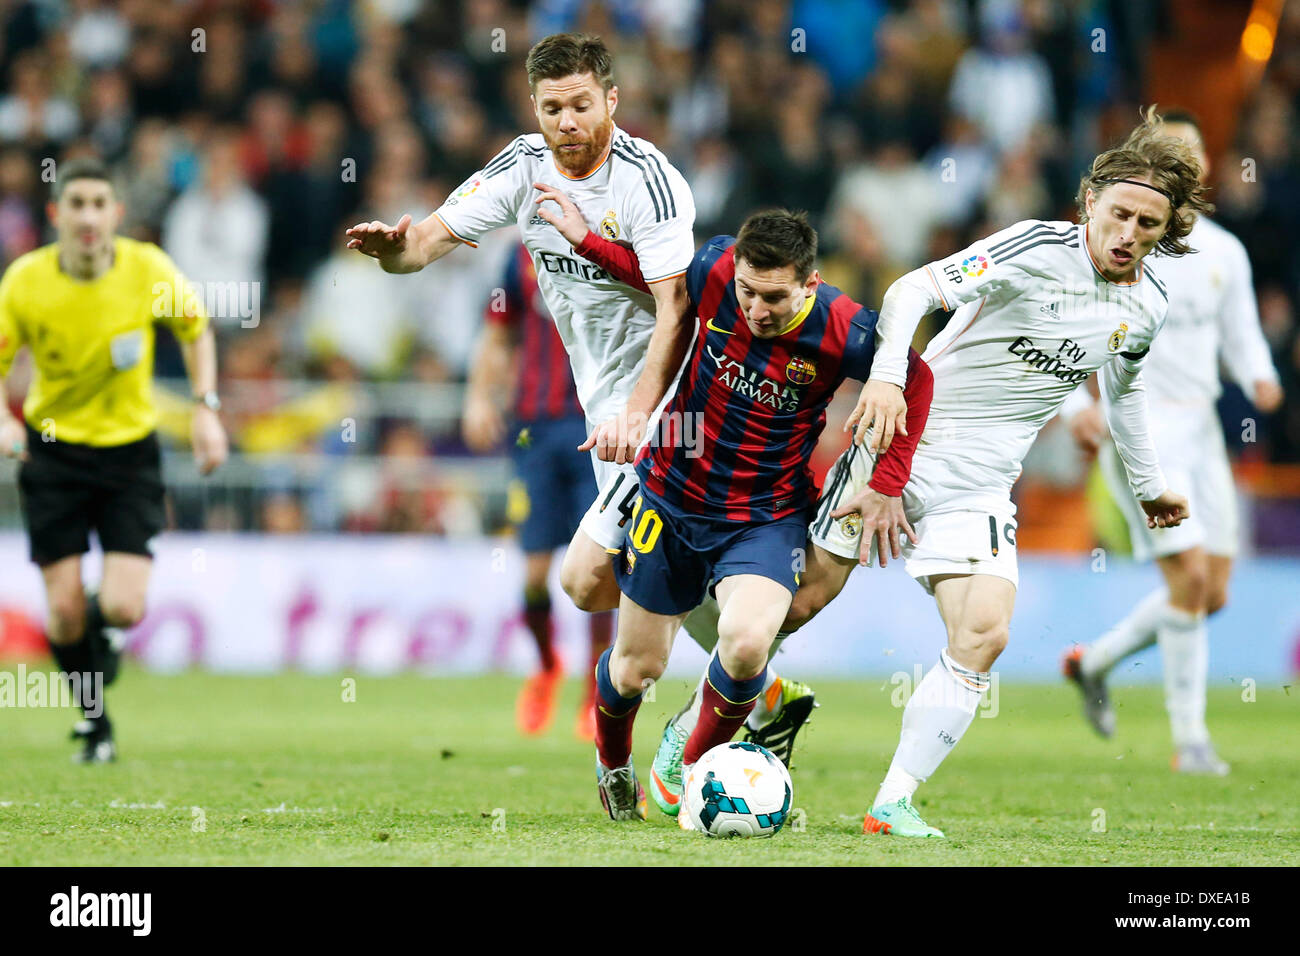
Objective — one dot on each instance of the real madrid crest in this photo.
(609, 225)
(800, 370)
(1117, 338)
(851, 525)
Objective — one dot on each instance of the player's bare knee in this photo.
(1197, 585)
(1216, 601)
(981, 641)
(122, 611)
(743, 648)
(67, 621)
(1188, 575)
(629, 673)
(582, 588)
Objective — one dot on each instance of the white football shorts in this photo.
(608, 515)
(981, 540)
(1192, 454)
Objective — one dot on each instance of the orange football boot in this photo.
(535, 707)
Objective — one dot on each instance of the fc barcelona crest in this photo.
(800, 370)
(1117, 338)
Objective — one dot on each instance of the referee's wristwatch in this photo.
(209, 399)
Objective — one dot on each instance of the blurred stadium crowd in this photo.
(248, 135)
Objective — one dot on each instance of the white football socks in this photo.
(940, 709)
(1134, 633)
(1185, 647)
(762, 713)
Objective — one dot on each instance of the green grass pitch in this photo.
(280, 770)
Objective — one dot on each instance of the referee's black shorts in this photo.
(68, 489)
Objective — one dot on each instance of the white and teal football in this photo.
(738, 790)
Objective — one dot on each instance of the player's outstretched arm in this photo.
(1242, 347)
(1124, 402)
(404, 247)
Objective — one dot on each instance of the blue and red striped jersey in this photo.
(545, 388)
(737, 436)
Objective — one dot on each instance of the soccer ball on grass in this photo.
(738, 789)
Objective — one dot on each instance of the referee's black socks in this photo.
(83, 672)
(94, 630)
(106, 658)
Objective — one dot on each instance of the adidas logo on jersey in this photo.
(537, 221)
(1052, 311)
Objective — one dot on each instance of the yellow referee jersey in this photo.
(92, 342)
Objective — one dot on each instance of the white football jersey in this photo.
(634, 195)
(1212, 313)
(1033, 319)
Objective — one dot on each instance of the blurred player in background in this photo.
(521, 354)
(1038, 307)
(773, 344)
(86, 306)
(1212, 315)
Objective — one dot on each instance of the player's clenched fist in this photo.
(388, 244)
(881, 410)
(1167, 511)
(883, 522)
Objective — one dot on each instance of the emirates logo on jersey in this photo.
(800, 370)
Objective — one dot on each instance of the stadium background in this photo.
(353, 530)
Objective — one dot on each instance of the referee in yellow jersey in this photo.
(86, 306)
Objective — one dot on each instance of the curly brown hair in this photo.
(1173, 170)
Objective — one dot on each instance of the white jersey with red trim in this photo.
(1033, 318)
(634, 195)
